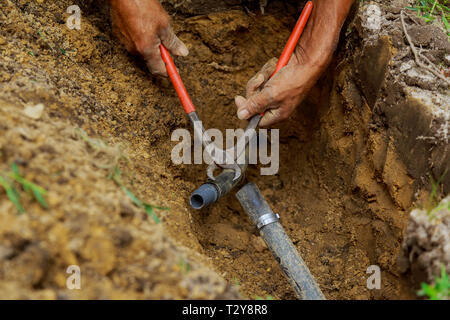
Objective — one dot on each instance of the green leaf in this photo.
(12, 194)
(133, 197)
(15, 168)
(38, 195)
(184, 265)
(446, 23)
(149, 210)
(439, 290)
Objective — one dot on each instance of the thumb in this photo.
(172, 42)
(256, 104)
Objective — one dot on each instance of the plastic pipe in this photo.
(211, 191)
(279, 243)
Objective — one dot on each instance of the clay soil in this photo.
(86, 79)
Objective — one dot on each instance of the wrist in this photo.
(321, 36)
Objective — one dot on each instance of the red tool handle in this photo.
(294, 37)
(282, 62)
(176, 80)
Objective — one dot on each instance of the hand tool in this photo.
(227, 159)
(288, 50)
(218, 155)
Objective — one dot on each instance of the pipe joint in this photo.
(267, 219)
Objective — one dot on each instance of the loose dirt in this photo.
(343, 191)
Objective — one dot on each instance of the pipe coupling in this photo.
(266, 219)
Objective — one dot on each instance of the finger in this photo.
(256, 104)
(152, 56)
(253, 84)
(269, 68)
(172, 42)
(261, 77)
(271, 117)
(156, 65)
(240, 102)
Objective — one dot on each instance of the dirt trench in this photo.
(343, 190)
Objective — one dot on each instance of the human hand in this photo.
(279, 96)
(142, 25)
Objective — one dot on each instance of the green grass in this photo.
(112, 155)
(433, 205)
(439, 290)
(430, 10)
(267, 297)
(10, 181)
(184, 266)
(149, 208)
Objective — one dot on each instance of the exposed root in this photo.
(220, 67)
(431, 67)
(262, 5)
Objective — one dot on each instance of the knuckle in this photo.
(164, 22)
(271, 63)
(144, 46)
(252, 106)
(165, 28)
(250, 84)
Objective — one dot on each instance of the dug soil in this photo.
(343, 191)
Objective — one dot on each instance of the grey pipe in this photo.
(279, 243)
(213, 190)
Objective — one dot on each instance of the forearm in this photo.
(323, 30)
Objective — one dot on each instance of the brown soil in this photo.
(342, 191)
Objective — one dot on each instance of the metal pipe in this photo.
(279, 243)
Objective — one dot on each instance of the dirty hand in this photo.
(142, 25)
(279, 96)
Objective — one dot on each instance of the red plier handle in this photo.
(294, 37)
(282, 62)
(176, 80)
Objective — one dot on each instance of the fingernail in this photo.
(239, 101)
(243, 114)
(184, 51)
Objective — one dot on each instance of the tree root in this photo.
(419, 57)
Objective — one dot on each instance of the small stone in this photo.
(447, 58)
(2, 41)
(5, 252)
(34, 112)
(259, 244)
